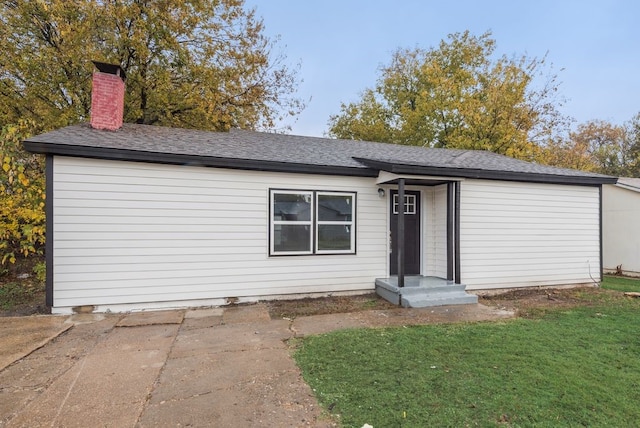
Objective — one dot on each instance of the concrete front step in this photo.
(441, 299)
(421, 292)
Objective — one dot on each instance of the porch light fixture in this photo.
(381, 192)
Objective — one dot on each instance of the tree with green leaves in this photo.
(192, 63)
(458, 95)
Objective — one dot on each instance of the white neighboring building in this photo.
(621, 227)
(147, 217)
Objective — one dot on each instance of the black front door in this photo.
(411, 233)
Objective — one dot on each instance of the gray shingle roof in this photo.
(269, 151)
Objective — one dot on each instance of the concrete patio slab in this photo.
(20, 336)
(28, 378)
(202, 318)
(207, 373)
(203, 313)
(246, 314)
(77, 319)
(231, 338)
(136, 319)
(108, 387)
(218, 393)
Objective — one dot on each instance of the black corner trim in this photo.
(456, 226)
(49, 233)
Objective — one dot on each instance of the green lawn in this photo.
(570, 367)
(621, 284)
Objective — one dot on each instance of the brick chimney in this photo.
(107, 97)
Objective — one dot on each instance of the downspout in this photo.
(601, 246)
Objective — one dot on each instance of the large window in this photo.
(312, 222)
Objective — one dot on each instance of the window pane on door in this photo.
(409, 204)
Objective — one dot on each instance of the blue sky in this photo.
(594, 46)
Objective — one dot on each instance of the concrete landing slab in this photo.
(144, 337)
(77, 319)
(246, 314)
(202, 318)
(206, 322)
(20, 336)
(136, 319)
(203, 313)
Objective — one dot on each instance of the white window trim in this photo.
(313, 222)
(409, 204)
(318, 222)
(273, 223)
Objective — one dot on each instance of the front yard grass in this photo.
(577, 366)
(620, 283)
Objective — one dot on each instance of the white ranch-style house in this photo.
(148, 217)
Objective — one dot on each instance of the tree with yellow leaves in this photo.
(202, 64)
(22, 220)
(457, 96)
(598, 146)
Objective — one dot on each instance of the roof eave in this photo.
(192, 160)
(487, 174)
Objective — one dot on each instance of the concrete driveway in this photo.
(208, 367)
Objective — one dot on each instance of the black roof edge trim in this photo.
(192, 160)
(485, 174)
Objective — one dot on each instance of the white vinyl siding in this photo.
(140, 235)
(435, 233)
(526, 234)
(621, 229)
(154, 235)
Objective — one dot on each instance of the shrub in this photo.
(22, 215)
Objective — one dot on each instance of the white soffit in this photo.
(629, 183)
(387, 177)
